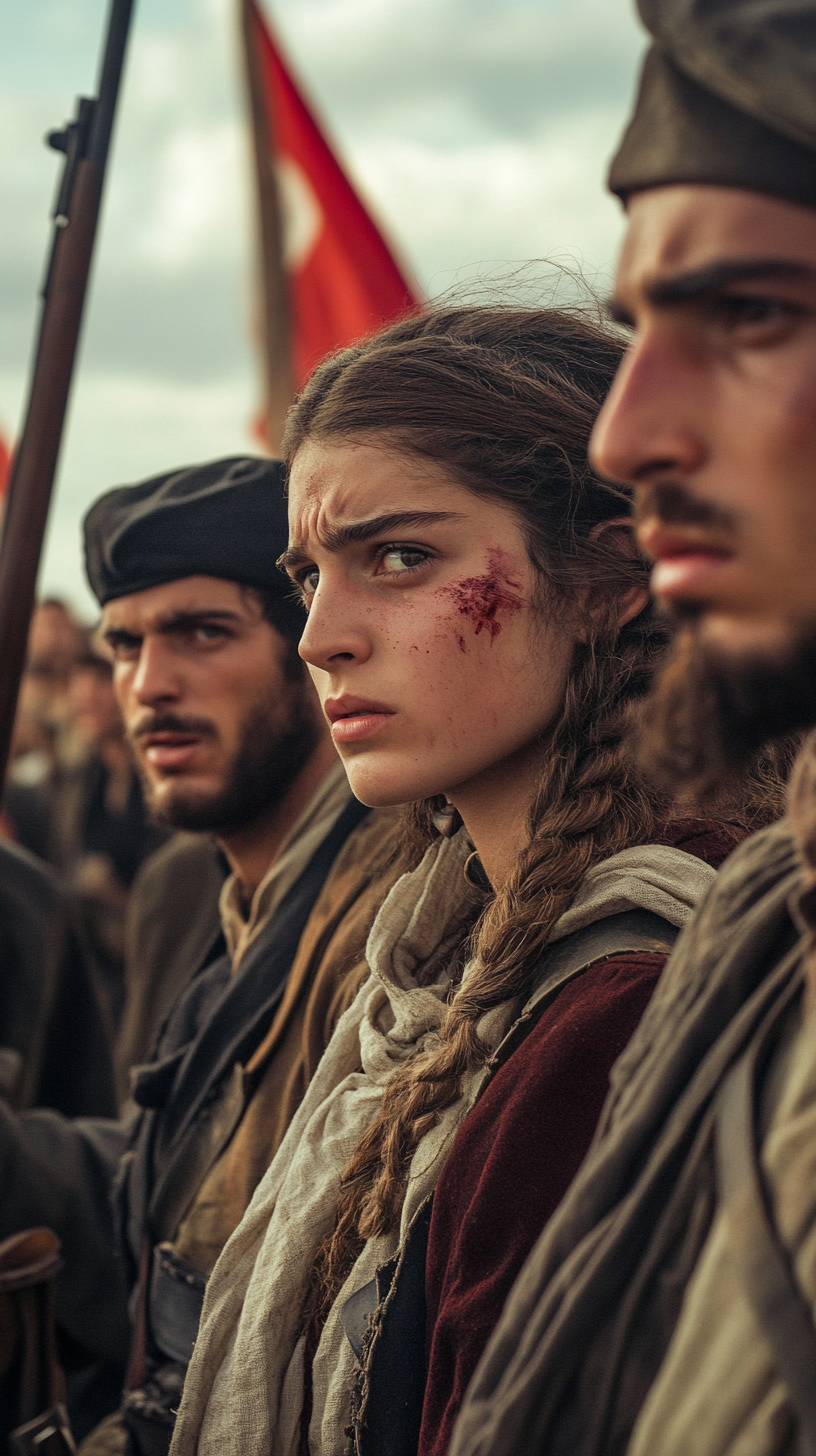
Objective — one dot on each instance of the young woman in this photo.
(479, 632)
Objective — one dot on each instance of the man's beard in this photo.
(268, 759)
(711, 713)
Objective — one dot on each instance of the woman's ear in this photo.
(619, 535)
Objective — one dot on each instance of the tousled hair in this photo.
(504, 400)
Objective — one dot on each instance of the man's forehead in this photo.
(679, 230)
(188, 595)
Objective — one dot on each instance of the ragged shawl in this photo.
(244, 1390)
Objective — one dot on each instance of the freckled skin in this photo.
(443, 636)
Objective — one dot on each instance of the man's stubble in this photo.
(711, 715)
(269, 757)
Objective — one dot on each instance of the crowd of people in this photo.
(432, 819)
(73, 797)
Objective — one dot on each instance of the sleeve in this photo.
(59, 1173)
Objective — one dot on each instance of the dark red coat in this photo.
(519, 1149)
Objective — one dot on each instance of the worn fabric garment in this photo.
(593, 1311)
(521, 1146)
(97, 851)
(54, 1042)
(727, 97)
(324, 980)
(241, 926)
(172, 931)
(60, 1172)
(244, 1391)
(718, 1391)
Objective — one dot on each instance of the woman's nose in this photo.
(337, 631)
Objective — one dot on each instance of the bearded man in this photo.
(229, 738)
(668, 1308)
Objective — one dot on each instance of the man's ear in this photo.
(620, 535)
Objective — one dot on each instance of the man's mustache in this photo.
(173, 723)
(675, 505)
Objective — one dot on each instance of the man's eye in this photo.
(207, 632)
(752, 311)
(124, 649)
(396, 560)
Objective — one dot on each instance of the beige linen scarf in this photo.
(244, 1390)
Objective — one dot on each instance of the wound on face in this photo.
(481, 598)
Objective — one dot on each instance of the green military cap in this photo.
(727, 97)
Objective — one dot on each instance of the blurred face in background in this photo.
(53, 638)
(92, 703)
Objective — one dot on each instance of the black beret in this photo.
(727, 97)
(226, 518)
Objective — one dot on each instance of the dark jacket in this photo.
(53, 1034)
(172, 926)
(214, 1053)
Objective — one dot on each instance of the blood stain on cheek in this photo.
(480, 599)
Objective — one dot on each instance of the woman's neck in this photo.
(494, 807)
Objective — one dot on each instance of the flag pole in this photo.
(85, 142)
(275, 319)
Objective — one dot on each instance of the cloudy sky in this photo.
(478, 130)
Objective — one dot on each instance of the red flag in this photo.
(329, 276)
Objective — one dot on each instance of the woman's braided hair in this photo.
(504, 399)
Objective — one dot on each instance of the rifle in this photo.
(85, 142)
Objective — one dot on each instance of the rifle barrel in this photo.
(35, 458)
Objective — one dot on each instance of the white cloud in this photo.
(199, 197)
(162, 424)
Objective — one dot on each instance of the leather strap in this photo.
(764, 1263)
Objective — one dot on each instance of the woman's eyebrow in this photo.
(334, 538)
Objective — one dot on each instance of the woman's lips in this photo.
(359, 725)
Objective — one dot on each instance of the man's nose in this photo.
(156, 679)
(650, 424)
(338, 630)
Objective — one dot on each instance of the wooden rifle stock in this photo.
(85, 143)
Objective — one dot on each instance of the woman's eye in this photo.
(308, 583)
(399, 559)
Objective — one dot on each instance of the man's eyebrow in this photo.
(689, 287)
(698, 284)
(336, 537)
(177, 622)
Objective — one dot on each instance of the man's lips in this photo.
(686, 559)
(166, 751)
(355, 718)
